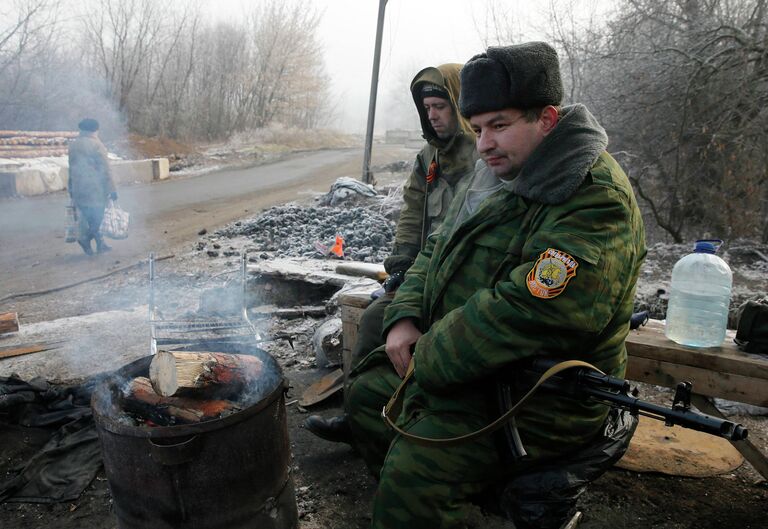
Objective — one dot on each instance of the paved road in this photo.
(34, 256)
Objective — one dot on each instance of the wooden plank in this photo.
(288, 313)
(9, 322)
(33, 153)
(705, 382)
(745, 447)
(38, 133)
(649, 342)
(18, 350)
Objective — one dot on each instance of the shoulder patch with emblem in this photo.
(551, 273)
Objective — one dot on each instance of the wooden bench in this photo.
(723, 372)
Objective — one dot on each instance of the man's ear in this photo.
(549, 118)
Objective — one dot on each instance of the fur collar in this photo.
(558, 166)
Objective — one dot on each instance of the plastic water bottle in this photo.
(700, 296)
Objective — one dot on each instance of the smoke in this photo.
(56, 95)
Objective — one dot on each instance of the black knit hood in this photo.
(447, 77)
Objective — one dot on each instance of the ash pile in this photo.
(351, 210)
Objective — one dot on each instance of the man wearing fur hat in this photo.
(448, 157)
(538, 257)
(90, 184)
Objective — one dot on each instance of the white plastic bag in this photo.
(115, 223)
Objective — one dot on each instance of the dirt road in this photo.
(34, 257)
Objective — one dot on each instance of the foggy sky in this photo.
(417, 33)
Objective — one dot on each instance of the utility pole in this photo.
(367, 175)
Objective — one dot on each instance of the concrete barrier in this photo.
(130, 171)
(52, 175)
(40, 178)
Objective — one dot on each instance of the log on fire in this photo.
(185, 373)
(140, 399)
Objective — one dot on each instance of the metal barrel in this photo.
(229, 473)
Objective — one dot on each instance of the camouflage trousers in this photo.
(418, 486)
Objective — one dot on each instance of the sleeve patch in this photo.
(551, 273)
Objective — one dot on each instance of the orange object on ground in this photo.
(338, 248)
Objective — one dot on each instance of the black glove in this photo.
(113, 196)
(393, 281)
(398, 263)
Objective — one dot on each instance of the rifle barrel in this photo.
(608, 389)
(680, 416)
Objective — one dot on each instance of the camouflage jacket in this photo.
(453, 159)
(90, 176)
(525, 274)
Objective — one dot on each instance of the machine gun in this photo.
(581, 382)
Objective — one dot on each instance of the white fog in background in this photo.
(206, 68)
(417, 33)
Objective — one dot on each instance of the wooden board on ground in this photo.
(9, 322)
(323, 388)
(23, 349)
(678, 451)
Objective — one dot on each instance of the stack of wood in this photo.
(34, 144)
(190, 386)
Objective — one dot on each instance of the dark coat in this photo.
(90, 177)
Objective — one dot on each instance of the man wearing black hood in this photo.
(448, 158)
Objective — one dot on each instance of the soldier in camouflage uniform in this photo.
(539, 256)
(448, 157)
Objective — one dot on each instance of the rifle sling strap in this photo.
(395, 404)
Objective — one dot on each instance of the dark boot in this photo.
(335, 429)
(86, 246)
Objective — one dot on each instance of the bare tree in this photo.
(123, 35)
(27, 42)
(158, 68)
(684, 87)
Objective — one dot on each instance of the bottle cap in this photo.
(707, 245)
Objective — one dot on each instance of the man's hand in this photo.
(401, 337)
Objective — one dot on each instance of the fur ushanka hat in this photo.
(521, 76)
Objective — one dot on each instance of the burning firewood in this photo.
(140, 399)
(175, 373)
